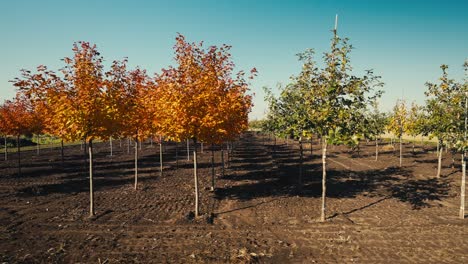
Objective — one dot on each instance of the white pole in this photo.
(336, 22)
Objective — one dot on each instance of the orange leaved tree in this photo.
(125, 94)
(45, 91)
(199, 99)
(83, 102)
(17, 119)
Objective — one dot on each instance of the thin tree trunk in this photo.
(201, 151)
(438, 147)
(140, 141)
(177, 154)
(453, 158)
(324, 178)
(376, 149)
(120, 143)
(227, 153)
(311, 145)
(301, 161)
(188, 150)
(463, 188)
(401, 151)
(439, 166)
(19, 154)
(414, 139)
(37, 144)
(111, 149)
(212, 169)
(151, 142)
(222, 160)
(128, 145)
(160, 157)
(197, 207)
(61, 152)
(85, 155)
(274, 147)
(6, 149)
(136, 163)
(91, 191)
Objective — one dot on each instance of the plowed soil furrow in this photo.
(377, 212)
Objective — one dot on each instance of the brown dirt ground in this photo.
(377, 212)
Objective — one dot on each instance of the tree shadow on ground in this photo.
(267, 181)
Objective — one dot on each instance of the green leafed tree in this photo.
(398, 123)
(443, 106)
(336, 100)
(376, 122)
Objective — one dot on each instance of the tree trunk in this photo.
(452, 152)
(136, 163)
(61, 152)
(376, 149)
(222, 160)
(311, 145)
(177, 154)
(439, 166)
(463, 188)
(228, 155)
(85, 155)
(19, 154)
(37, 144)
(128, 145)
(438, 147)
(414, 139)
(201, 151)
(274, 148)
(6, 149)
(160, 157)
(188, 150)
(120, 143)
(91, 192)
(324, 178)
(197, 207)
(111, 149)
(401, 151)
(301, 161)
(212, 169)
(151, 142)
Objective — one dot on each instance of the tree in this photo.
(459, 135)
(398, 123)
(3, 129)
(18, 119)
(443, 108)
(126, 102)
(376, 123)
(336, 100)
(413, 127)
(290, 113)
(200, 100)
(465, 144)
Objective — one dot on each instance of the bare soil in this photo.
(377, 212)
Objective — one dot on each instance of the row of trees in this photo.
(341, 108)
(200, 99)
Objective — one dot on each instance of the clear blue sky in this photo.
(403, 41)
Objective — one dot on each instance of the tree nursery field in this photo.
(376, 212)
